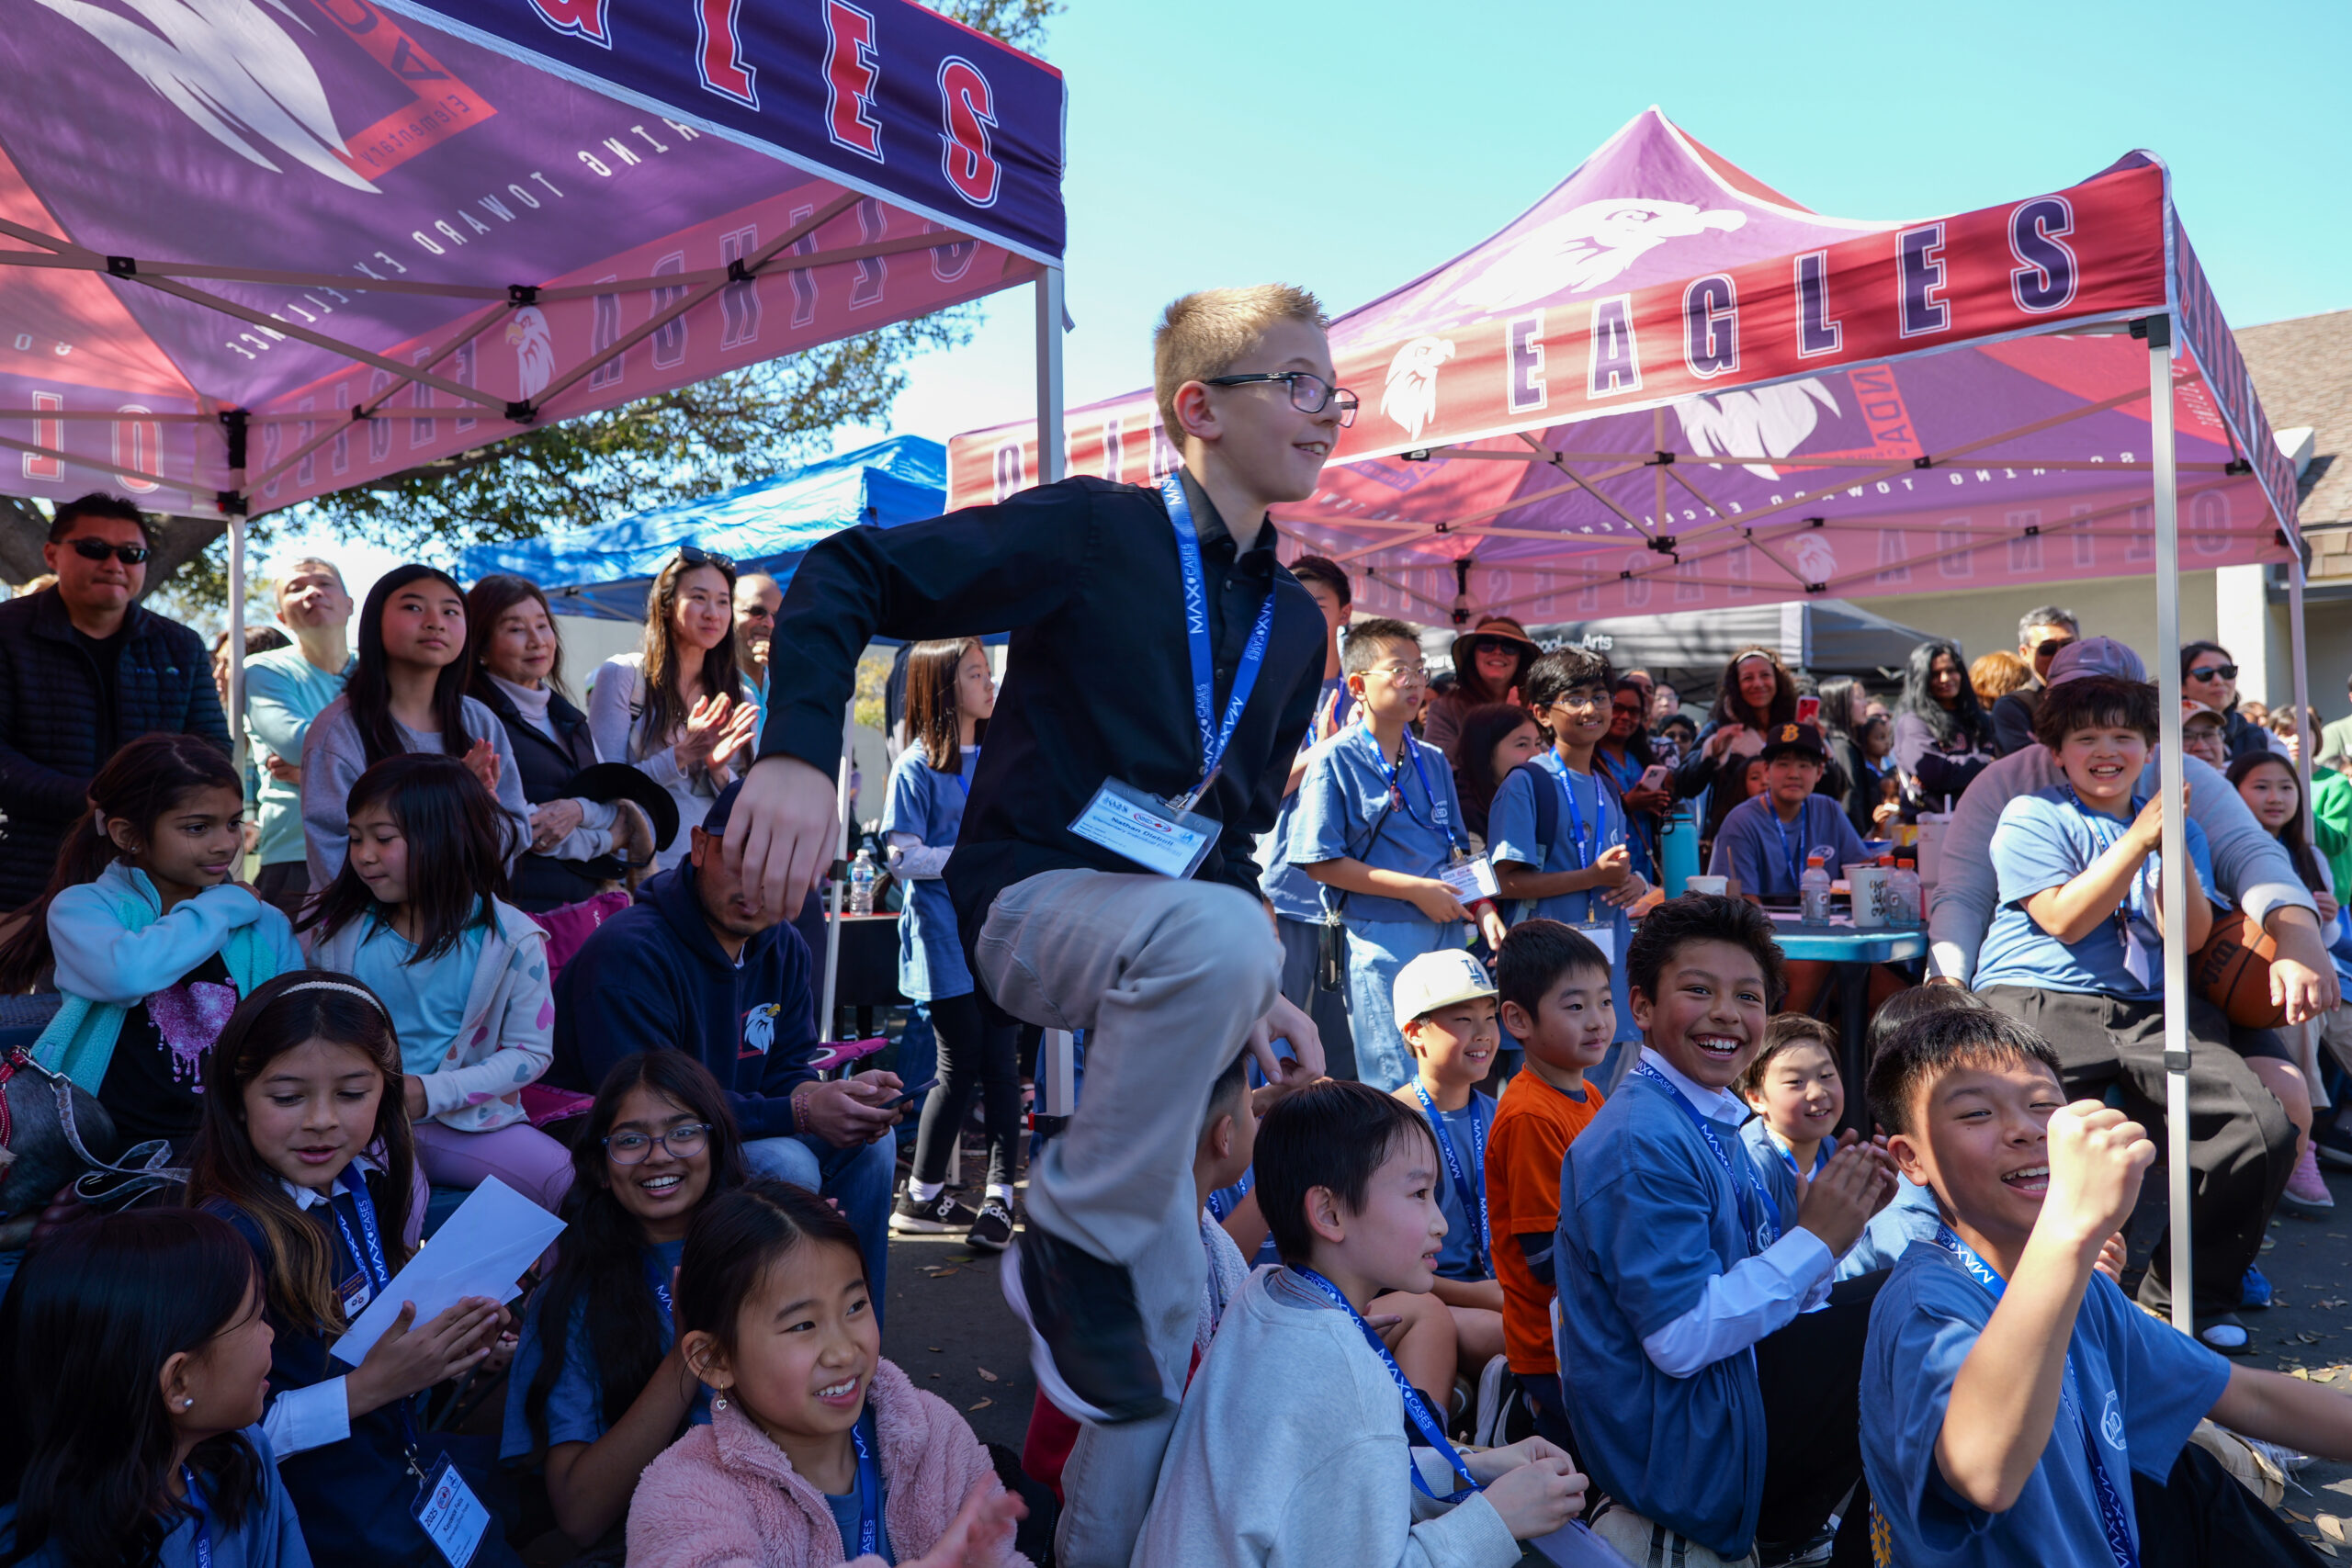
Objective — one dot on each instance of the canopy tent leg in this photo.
(2171, 783)
(1051, 451)
(846, 808)
(2306, 733)
(235, 716)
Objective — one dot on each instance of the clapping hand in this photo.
(706, 726)
(737, 737)
(483, 759)
(981, 1533)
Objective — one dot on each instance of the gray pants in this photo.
(1166, 978)
(1302, 951)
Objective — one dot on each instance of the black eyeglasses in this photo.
(1308, 393)
(695, 555)
(2207, 672)
(684, 1141)
(98, 549)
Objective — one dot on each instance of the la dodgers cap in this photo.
(1440, 979)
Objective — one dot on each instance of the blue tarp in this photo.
(604, 572)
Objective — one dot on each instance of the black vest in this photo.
(541, 882)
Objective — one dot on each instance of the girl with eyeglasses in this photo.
(2209, 675)
(657, 1144)
(677, 709)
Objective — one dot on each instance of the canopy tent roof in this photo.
(255, 250)
(1826, 636)
(1668, 387)
(604, 571)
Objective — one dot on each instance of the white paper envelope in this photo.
(481, 1250)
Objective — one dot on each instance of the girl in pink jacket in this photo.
(818, 1452)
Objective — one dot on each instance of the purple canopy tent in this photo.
(1668, 387)
(257, 251)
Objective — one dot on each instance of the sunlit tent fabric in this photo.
(255, 250)
(1826, 636)
(604, 571)
(1668, 387)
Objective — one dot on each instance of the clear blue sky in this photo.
(1350, 146)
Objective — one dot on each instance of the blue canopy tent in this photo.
(604, 572)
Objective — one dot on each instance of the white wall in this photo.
(2120, 607)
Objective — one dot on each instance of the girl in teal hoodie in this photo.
(152, 938)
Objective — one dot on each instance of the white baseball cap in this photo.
(1439, 979)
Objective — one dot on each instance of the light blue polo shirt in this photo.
(2043, 842)
(930, 804)
(1295, 895)
(1346, 792)
(1584, 801)
(2144, 1384)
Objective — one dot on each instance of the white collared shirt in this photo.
(1759, 1295)
(302, 1418)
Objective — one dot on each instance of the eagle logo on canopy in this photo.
(1755, 422)
(230, 67)
(1412, 397)
(1585, 246)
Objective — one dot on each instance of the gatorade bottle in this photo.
(1903, 884)
(1813, 893)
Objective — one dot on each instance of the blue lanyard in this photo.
(1416, 1409)
(1214, 736)
(657, 1276)
(1391, 772)
(379, 1272)
(1588, 852)
(203, 1518)
(2113, 1520)
(1792, 854)
(1765, 1228)
(869, 1494)
(1472, 1195)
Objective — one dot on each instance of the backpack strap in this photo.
(1547, 822)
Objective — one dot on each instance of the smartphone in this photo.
(1654, 776)
(1808, 710)
(913, 1090)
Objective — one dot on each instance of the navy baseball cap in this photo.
(714, 821)
(1803, 739)
(2097, 656)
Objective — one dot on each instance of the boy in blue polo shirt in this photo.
(1583, 876)
(1714, 1403)
(2017, 1411)
(1378, 826)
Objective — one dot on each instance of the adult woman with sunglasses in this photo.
(1489, 663)
(677, 710)
(2209, 675)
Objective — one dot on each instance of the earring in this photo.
(188, 1404)
(719, 1402)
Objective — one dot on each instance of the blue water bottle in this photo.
(1679, 849)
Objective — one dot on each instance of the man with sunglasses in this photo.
(1164, 667)
(84, 669)
(2042, 632)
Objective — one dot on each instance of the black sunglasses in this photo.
(2049, 646)
(1497, 645)
(98, 549)
(695, 555)
(1308, 393)
(2207, 672)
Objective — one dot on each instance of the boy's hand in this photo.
(1535, 1487)
(1628, 893)
(1438, 901)
(1615, 864)
(1490, 924)
(2112, 1258)
(1843, 1195)
(2147, 831)
(1287, 1021)
(2096, 1158)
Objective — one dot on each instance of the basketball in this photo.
(2232, 971)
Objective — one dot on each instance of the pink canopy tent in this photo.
(1668, 387)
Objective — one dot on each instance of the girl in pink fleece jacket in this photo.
(818, 1452)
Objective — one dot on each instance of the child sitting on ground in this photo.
(1445, 1011)
(136, 1358)
(2017, 1409)
(1379, 826)
(817, 1449)
(1795, 1090)
(1710, 1403)
(1555, 986)
(1286, 1448)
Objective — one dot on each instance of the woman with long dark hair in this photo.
(1942, 736)
(1495, 738)
(1844, 703)
(595, 1403)
(516, 653)
(406, 693)
(1490, 664)
(950, 695)
(677, 710)
(1755, 693)
(136, 1357)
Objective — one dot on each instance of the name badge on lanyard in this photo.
(1166, 835)
(449, 1514)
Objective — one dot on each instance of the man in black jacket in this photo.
(2042, 632)
(84, 669)
(1164, 667)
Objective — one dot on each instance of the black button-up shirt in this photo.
(1098, 682)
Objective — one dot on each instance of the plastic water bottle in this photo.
(1904, 889)
(1812, 892)
(861, 883)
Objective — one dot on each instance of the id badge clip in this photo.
(449, 1514)
(1162, 838)
(1471, 879)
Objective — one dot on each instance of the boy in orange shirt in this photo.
(1554, 987)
